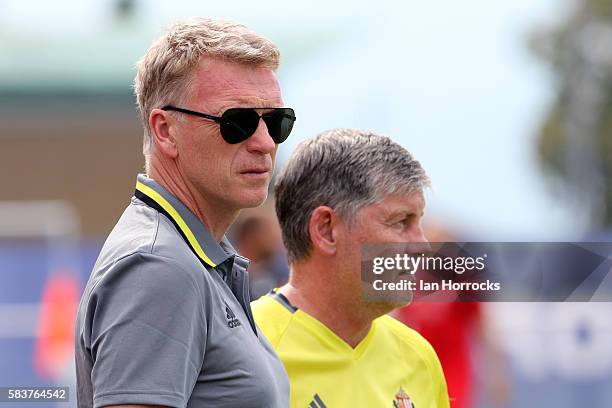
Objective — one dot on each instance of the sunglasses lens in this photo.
(279, 123)
(238, 124)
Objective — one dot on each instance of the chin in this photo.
(381, 308)
(251, 198)
(383, 302)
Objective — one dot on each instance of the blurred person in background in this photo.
(258, 238)
(338, 191)
(165, 318)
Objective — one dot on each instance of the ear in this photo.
(322, 230)
(160, 123)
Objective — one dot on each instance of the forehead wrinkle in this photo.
(218, 90)
(248, 102)
(413, 203)
(232, 96)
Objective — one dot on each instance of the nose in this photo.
(416, 235)
(261, 141)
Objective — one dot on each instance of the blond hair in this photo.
(163, 73)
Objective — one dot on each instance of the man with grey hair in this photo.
(339, 191)
(165, 318)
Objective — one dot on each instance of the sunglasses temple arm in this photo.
(194, 113)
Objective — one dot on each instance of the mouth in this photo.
(255, 172)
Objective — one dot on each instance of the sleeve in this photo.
(147, 331)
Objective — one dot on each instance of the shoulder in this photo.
(271, 317)
(136, 230)
(145, 252)
(143, 239)
(140, 287)
(409, 340)
(415, 349)
(146, 277)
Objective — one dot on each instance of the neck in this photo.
(324, 297)
(172, 180)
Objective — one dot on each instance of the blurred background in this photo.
(507, 104)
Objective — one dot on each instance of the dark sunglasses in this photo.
(238, 124)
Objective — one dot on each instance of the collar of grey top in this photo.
(210, 252)
(193, 231)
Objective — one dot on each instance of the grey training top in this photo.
(165, 317)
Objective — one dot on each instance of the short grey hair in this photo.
(345, 169)
(163, 73)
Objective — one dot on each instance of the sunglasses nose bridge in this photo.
(257, 119)
(261, 140)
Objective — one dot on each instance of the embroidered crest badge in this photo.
(402, 400)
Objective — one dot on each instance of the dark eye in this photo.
(405, 221)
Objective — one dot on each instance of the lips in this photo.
(260, 174)
(256, 170)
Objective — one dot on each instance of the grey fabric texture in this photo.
(158, 326)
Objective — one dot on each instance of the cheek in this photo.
(349, 248)
(368, 233)
(235, 157)
(210, 153)
(273, 155)
(189, 145)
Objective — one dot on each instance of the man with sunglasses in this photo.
(165, 318)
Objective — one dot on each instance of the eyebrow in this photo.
(403, 212)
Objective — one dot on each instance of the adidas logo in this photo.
(317, 402)
(232, 320)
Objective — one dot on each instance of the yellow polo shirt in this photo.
(393, 366)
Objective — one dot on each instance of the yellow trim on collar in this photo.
(154, 195)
